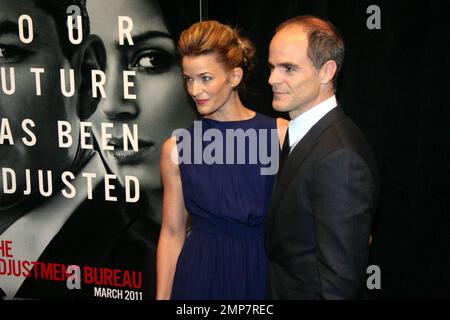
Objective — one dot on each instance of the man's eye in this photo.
(8, 52)
(152, 61)
(290, 69)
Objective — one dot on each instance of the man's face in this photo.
(45, 110)
(294, 79)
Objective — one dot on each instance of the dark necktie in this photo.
(284, 152)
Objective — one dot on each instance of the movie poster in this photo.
(88, 96)
(90, 90)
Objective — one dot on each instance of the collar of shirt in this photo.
(32, 233)
(300, 126)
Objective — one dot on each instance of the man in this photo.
(42, 234)
(318, 228)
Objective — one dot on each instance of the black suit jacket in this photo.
(100, 234)
(318, 227)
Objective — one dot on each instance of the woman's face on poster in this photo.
(161, 103)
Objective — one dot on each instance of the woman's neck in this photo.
(232, 110)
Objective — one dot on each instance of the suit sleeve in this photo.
(342, 200)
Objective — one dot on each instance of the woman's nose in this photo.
(194, 89)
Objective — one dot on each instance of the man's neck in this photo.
(320, 98)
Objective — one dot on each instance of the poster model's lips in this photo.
(129, 156)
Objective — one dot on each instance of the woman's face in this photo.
(161, 103)
(209, 83)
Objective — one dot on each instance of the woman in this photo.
(224, 256)
(161, 103)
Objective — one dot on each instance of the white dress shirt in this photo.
(300, 126)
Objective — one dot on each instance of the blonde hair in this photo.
(212, 36)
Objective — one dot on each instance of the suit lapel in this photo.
(299, 154)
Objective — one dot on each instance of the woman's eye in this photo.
(152, 61)
(206, 78)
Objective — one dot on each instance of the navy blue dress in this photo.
(224, 256)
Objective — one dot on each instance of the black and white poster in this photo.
(90, 90)
(89, 94)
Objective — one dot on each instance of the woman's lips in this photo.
(201, 101)
(129, 156)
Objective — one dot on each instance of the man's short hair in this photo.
(324, 41)
(57, 9)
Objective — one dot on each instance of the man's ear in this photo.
(236, 77)
(90, 56)
(327, 71)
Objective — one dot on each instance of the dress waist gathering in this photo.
(217, 226)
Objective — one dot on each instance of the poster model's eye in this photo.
(153, 61)
(11, 53)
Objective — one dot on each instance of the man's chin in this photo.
(8, 201)
(278, 106)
